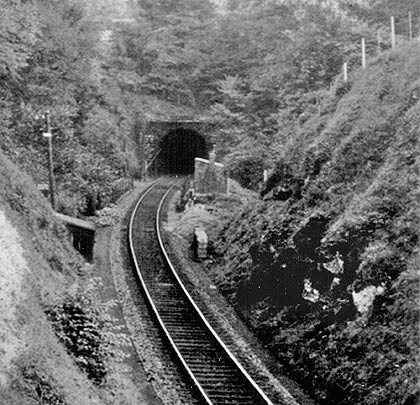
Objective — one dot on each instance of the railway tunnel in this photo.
(178, 149)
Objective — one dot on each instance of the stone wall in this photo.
(209, 176)
(150, 134)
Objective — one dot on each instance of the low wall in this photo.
(209, 177)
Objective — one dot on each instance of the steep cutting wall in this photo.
(53, 345)
(37, 266)
(325, 270)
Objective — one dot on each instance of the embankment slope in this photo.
(325, 268)
(37, 266)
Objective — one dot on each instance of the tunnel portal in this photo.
(178, 148)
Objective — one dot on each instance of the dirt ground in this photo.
(34, 366)
(157, 362)
(128, 379)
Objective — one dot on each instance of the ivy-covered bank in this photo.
(324, 268)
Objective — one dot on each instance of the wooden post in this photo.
(410, 26)
(363, 54)
(345, 78)
(48, 135)
(392, 33)
(142, 145)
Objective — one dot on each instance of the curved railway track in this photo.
(216, 375)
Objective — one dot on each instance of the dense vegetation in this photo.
(256, 67)
(51, 60)
(269, 73)
(339, 213)
(57, 284)
(340, 217)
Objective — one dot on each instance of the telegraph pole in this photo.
(143, 127)
(48, 135)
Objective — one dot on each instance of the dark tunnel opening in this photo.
(178, 149)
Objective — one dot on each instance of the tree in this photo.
(48, 61)
(169, 54)
(378, 13)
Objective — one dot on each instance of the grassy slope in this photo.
(43, 371)
(355, 164)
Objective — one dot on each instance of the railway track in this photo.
(215, 375)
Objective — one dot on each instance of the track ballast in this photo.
(215, 374)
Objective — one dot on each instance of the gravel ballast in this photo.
(158, 365)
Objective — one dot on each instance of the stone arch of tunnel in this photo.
(178, 149)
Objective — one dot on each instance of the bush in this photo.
(80, 327)
(357, 161)
(44, 390)
(247, 170)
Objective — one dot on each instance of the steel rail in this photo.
(198, 311)
(150, 299)
(258, 392)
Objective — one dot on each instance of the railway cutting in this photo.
(213, 372)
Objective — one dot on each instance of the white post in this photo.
(363, 54)
(379, 43)
(392, 33)
(410, 26)
(265, 175)
(345, 78)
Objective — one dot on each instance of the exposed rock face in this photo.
(335, 266)
(309, 293)
(308, 239)
(287, 275)
(364, 299)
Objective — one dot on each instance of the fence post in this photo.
(345, 72)
(392, 33)
(363, 54)
(265, 175)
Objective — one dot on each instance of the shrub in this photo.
(44, 389)
(247, 170)
(80, 327)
